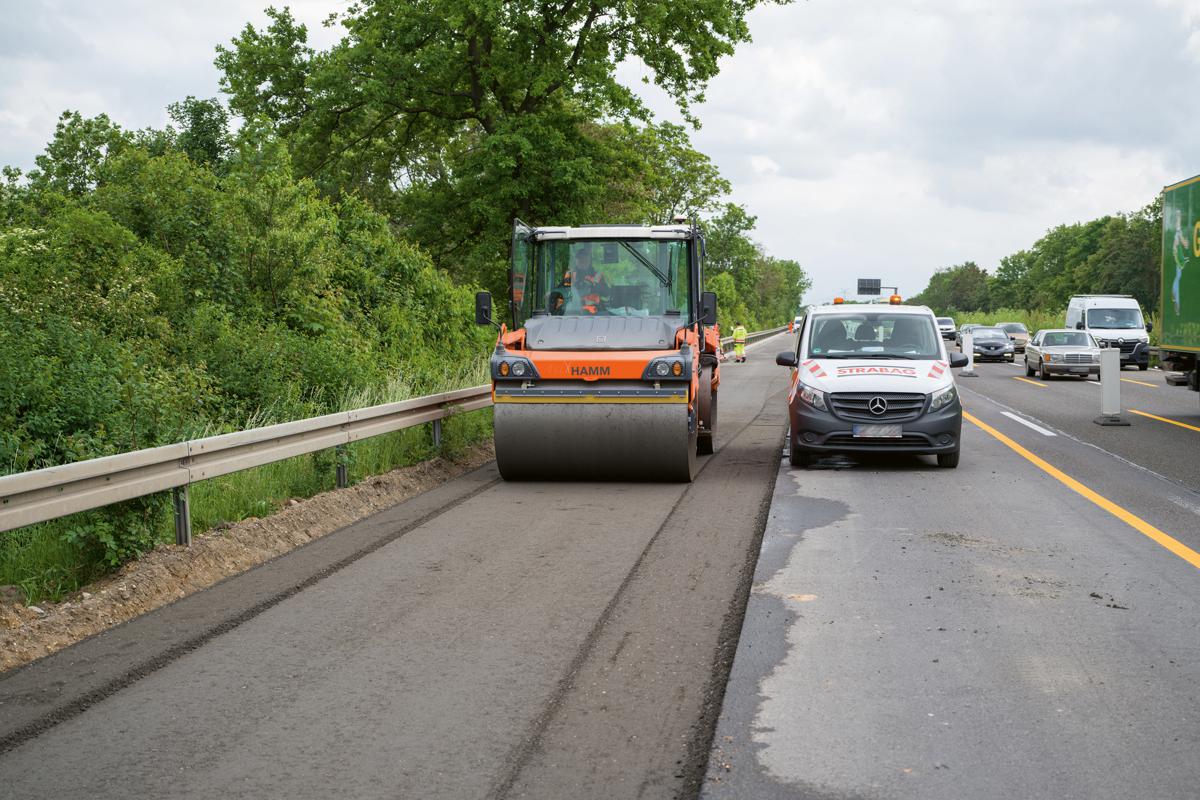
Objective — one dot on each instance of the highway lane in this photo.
(523, 640)
(989, 632)
(1070, 404)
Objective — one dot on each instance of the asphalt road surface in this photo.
(1023, 626)
(487, 639)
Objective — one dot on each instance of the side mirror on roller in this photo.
(959, 360)
(708, 308)
(483, 308)
(786, 359)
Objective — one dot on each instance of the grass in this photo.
(47, 565)
(1033, 320)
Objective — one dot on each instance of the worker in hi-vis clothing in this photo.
(739, 342)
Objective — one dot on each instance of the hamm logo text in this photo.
(590, 372)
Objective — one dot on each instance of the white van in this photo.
(1116, 320)
(871, 379)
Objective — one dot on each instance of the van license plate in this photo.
(878, 431)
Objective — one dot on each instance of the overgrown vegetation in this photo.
(1111, 255)
(160, 284)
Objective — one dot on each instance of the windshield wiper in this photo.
(647, 263)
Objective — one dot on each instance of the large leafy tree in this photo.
(497, 108)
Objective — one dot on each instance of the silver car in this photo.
(1062, 351)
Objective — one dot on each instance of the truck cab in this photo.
(1116, 320)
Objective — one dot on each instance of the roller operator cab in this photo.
(609, 370)
(873, 379)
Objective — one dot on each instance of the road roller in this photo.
(606, 363)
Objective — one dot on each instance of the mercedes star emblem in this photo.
(877, 405)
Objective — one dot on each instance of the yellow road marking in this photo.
(1140, 383)
(1164, 419)
(1137, 523)
(1031, 383)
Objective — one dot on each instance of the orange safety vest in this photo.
(591, 300)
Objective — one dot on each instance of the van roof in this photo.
(870, 308)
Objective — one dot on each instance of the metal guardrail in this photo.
(753, 337)
(45, 494)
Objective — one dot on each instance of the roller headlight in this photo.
(669, 368)
(513, 367)
(813, 397)
(943, 398)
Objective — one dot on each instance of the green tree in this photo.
(456, 116)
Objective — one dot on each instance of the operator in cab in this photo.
(586, 284)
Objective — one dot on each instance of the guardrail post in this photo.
(1110, 388)
(437, 434)
(183, 515)
(343, 472)
(968, 348)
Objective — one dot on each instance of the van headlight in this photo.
(813, 397)
(943, 398)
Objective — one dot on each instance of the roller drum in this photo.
(595, 441)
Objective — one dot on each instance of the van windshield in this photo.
(1112, 318)
(878, 335)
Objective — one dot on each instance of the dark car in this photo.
(992, 344)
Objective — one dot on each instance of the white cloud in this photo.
(870, 139)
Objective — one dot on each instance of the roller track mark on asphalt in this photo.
(1137, 523)
(1164, 419)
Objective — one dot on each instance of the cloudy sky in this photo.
(872, 139)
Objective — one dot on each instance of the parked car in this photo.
(992, 344)
(1018, 334)
(1062, 351)
(946, 327)
(966, 328)
(872, 379)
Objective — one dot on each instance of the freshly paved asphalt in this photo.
(986, 632)
(490, 639)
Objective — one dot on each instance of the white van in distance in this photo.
(1115, 319)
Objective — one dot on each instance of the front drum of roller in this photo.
(595, 441)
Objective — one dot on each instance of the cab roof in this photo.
(614, 232)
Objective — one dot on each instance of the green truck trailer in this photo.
(1179, 340)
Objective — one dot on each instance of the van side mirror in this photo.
(1149, 327)
(708, 308)
(483, 308)
(1079, 326)
(786, 359)
(959, 360)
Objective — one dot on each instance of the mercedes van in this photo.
(1116, 320)
(872, 379)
